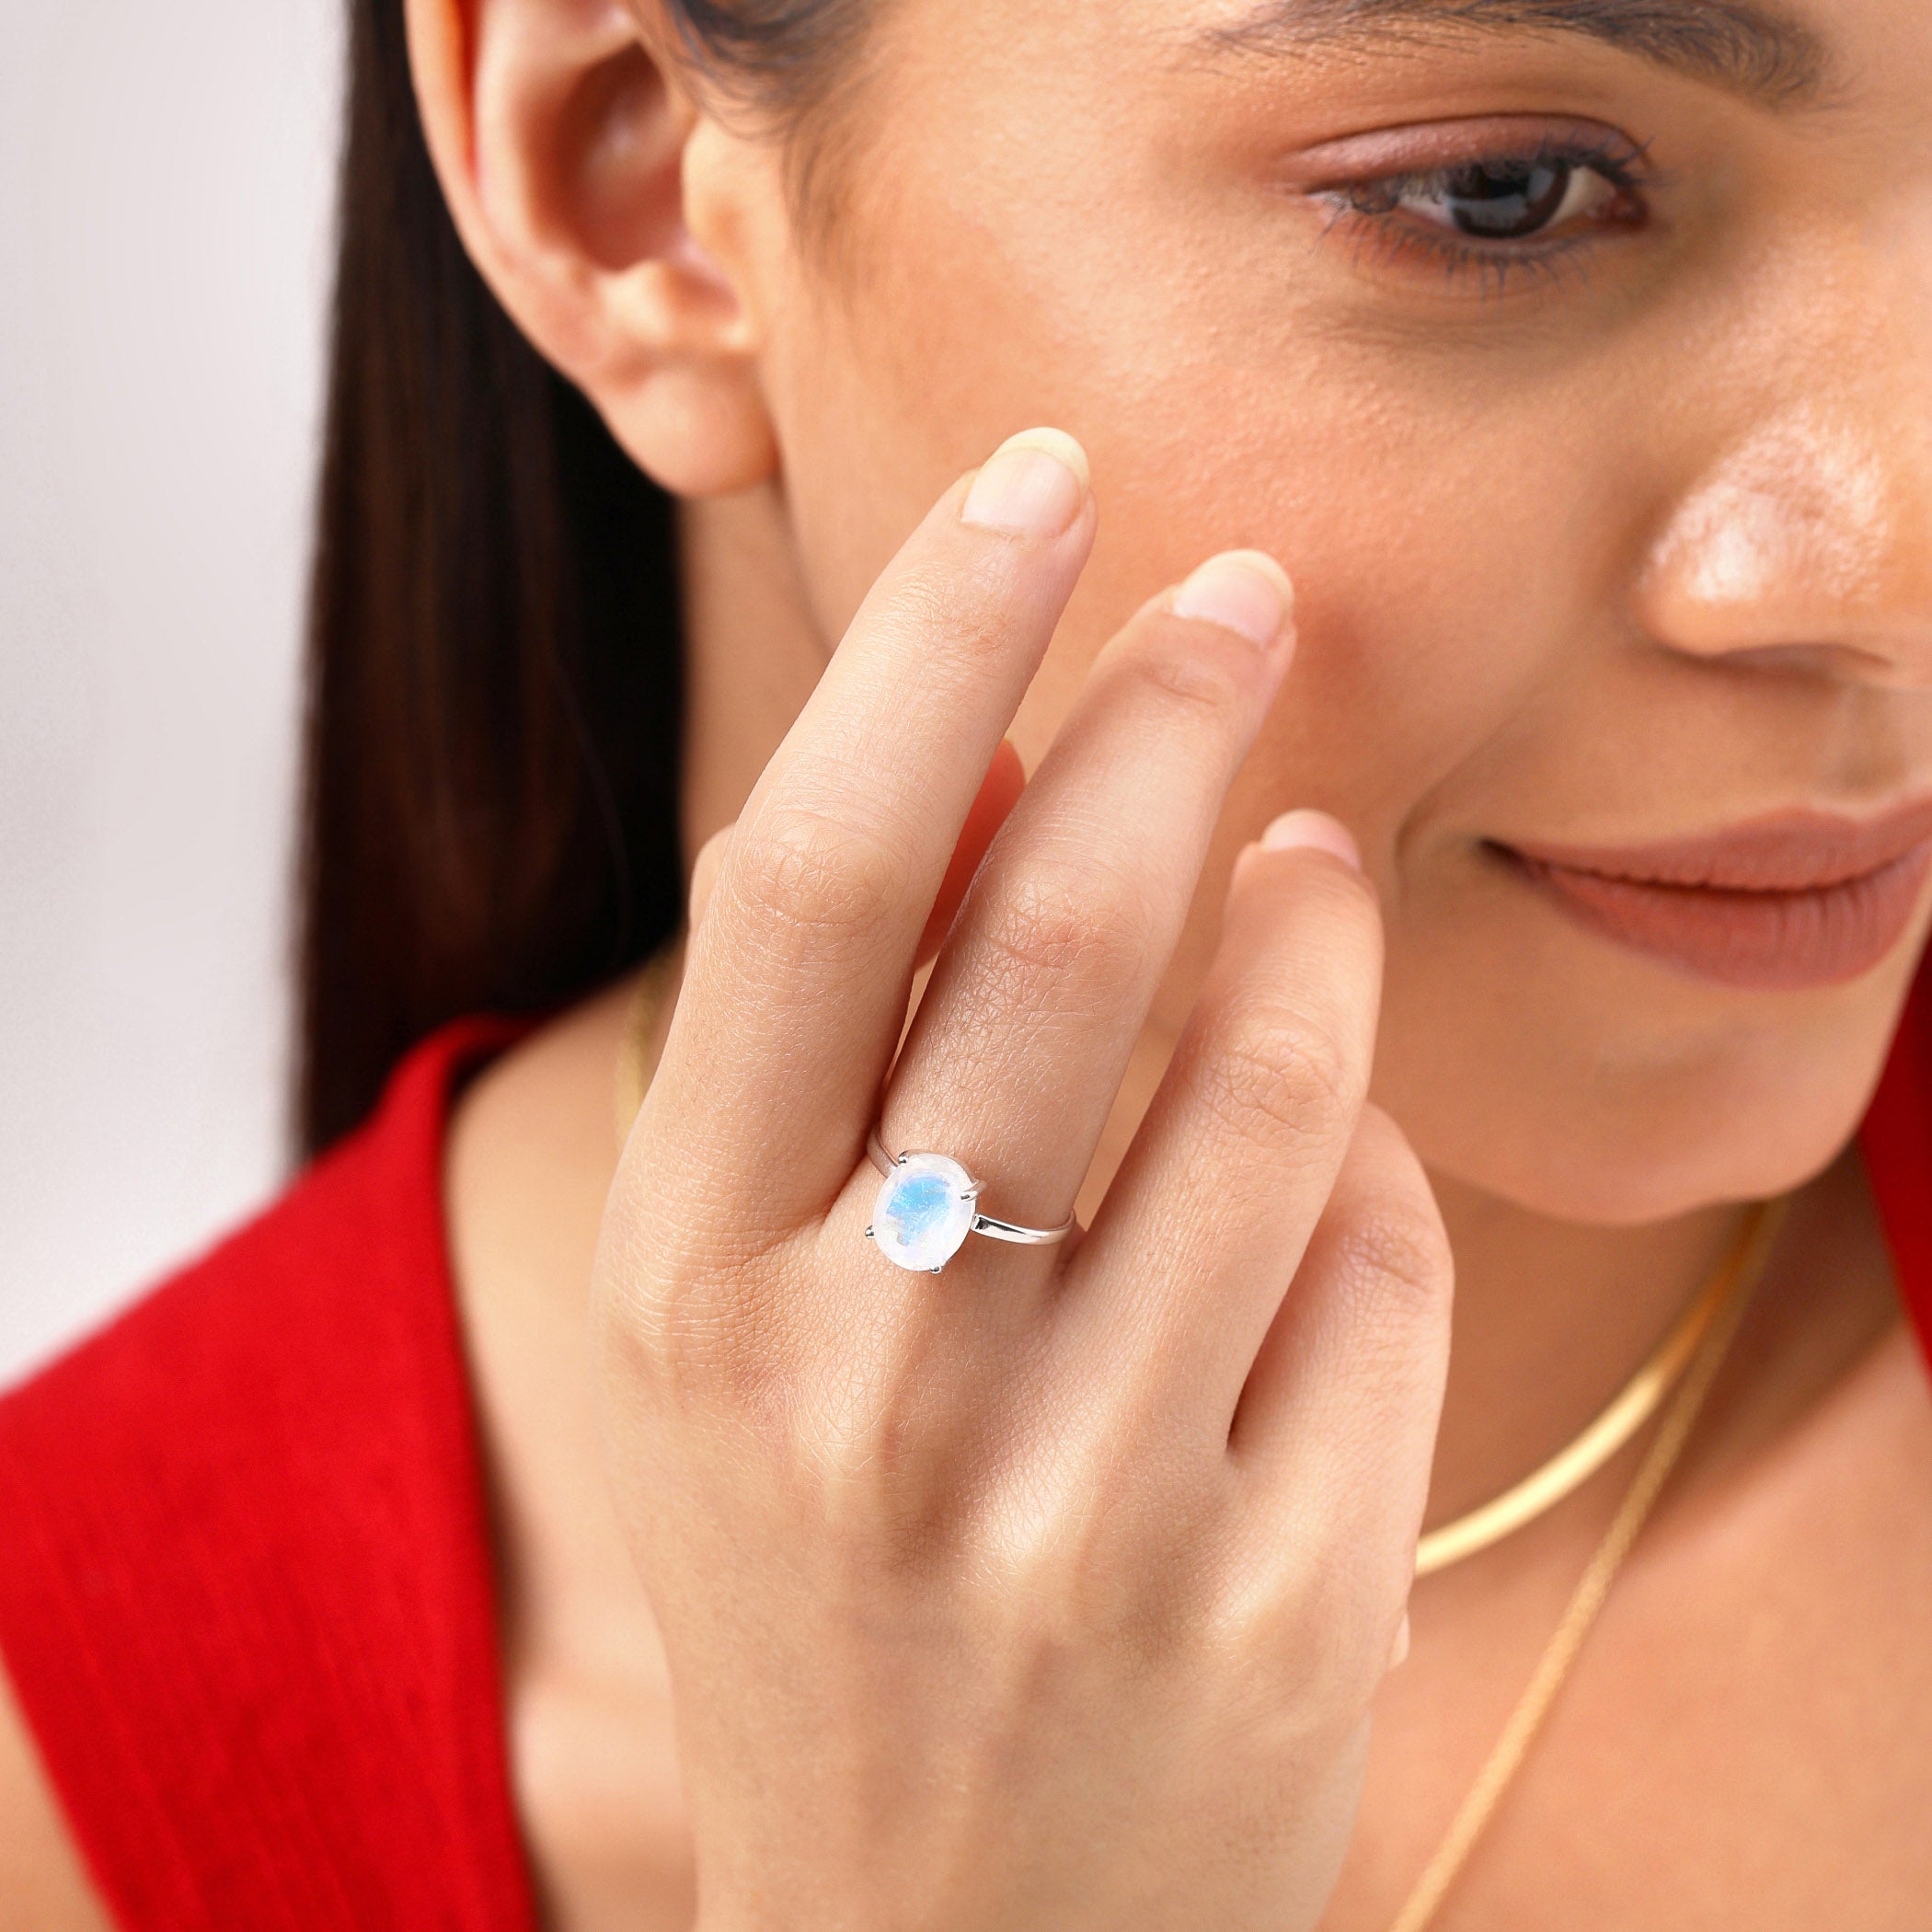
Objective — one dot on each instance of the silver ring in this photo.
(929, 1205)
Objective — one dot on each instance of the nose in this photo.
(1806, 542)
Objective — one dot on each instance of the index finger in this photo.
(798, 984)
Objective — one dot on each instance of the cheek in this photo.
(1446, 547)
(1446, 576)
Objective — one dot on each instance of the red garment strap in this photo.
(1897, 1145)
(245, 1598)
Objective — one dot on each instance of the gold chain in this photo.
(1573, 1464)
(1745, 1265)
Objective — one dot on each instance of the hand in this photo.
(1051, 1592)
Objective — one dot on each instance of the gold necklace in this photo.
(1729, 1296)
(1573, 1464)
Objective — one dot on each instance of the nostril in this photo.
(1846, 663)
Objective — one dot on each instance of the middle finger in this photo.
(1040, 992)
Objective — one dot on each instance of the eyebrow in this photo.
(1744, 49)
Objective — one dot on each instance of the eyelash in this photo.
(1371, 208)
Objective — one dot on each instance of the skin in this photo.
(1633, 543)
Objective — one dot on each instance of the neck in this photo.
(1551, 1320)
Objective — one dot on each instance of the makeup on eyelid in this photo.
(1488, 195)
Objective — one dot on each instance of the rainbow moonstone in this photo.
(926, 1210)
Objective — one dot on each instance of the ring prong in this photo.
(870, 1236)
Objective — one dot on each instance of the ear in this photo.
(564, 141)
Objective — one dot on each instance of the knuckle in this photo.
(961, 606)
(685, 1309)
(1201, 684)
(1336, 1668)
(1067, 926)
(655, 1340)
(668, 1326)
(1394, 1248)
(817, 881)
(1323, 1628)
(1386, 1230)
(1059, 1547)
(690, 1340)
(1299, 1681)
(1271, 1072)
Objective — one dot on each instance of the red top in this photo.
(245, 1595)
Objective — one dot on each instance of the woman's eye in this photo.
(1497, 209)
(1508, 200)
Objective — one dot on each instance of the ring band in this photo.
(927, 1206)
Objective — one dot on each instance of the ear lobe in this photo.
(559, 138)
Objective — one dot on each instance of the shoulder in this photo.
(533, 1143)
(245, 1607)
(317, 1298)
(102, 1454)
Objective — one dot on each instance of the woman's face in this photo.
(1582, 379)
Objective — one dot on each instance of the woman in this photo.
(1540, 881)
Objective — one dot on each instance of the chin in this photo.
(1577, 1082)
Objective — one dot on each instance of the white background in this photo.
(166, 188)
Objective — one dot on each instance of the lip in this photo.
(1794, 901)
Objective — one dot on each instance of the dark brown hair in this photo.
(489, 810)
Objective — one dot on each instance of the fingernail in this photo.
(1316, 831)
(1243, 590)
(1033, 485)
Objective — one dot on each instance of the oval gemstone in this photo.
(923, 1212)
